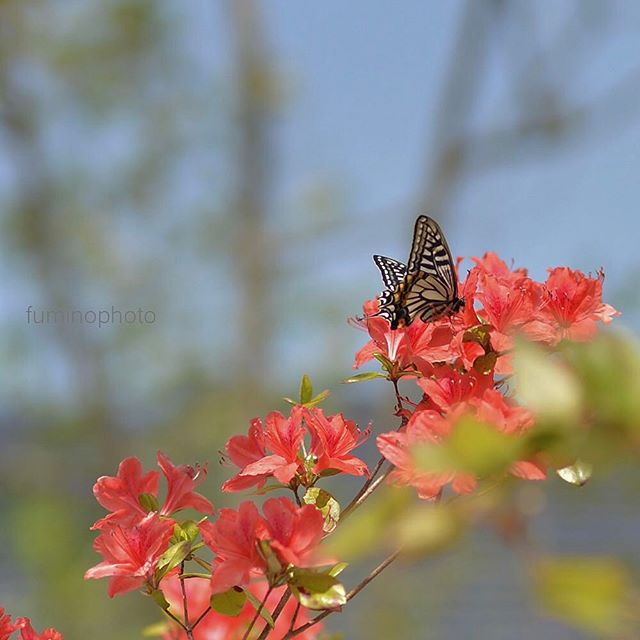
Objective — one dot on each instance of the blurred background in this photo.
(231, 167)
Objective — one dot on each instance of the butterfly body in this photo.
(427, 286)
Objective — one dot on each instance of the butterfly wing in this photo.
(392, 271)
(427, 286)
(432, 286)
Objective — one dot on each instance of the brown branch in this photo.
(276, 614)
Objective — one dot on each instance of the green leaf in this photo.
(316, 590)
(172, 557)
(338, 568)
(480, 334)
(149, 502)
(546, 386)
(290, 401)
(326, 503)
(158, 597)
(229, 603)
(363, 377)
(577, 473)
(485, 363)
(323, 395)
(427, 529)
(306, 389)
(264, 612)
(384, 361)
(587, 592)
(187, 530)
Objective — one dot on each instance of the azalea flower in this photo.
(122, 494)
(233, 538)
(447, 386)
(244, 450)
(425, 427)
(333, 439)
(28, 633)
(277, 449)
(571, 307)
(236, 538)
(130, 554)
(181, 480)
(281, 436)
(293, 532)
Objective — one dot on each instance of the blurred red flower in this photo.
(28, 633)
(6, 626)
(215, 626)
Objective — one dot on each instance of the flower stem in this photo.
(258, 611)
(276, 614)
(185, 608)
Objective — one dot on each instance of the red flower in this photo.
(6, 626)
(294, 532)
(27, 632)
(181, 482)
(242, 451)
(215, 626)
(130, 554)
(333, 439)
(446, 387)
(233, 538)
(425, 427)
(283, 436)
(121, 494)
(389, 342)
(571, 307)
(493, 408)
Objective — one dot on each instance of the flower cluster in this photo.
(142, 543)
(136, 534)
(277, 449)
(460, 361)
(27, 632)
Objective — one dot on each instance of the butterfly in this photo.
(427, 286)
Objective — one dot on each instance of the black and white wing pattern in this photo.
(393, 272)
(427, 287)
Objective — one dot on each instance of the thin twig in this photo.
(200, 618)
(294, 617)
(258, 611)
(352, 594)
(185, 607)
(369, 488)
(276, 614)
(175, 619)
